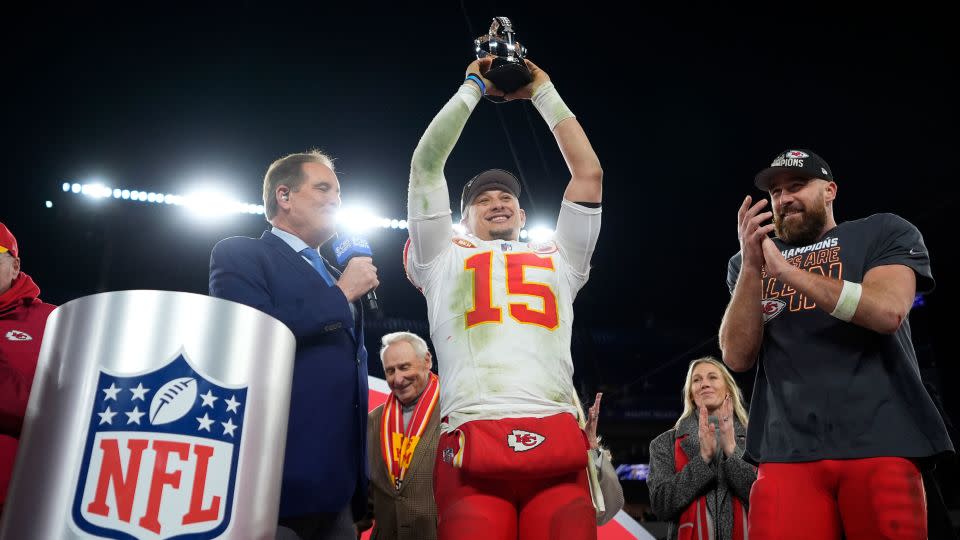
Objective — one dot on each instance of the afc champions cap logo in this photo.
(790, 158)
(160, 456)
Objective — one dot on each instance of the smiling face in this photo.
(407, 374)
(708, 388)
(802, 210)
(495, 215)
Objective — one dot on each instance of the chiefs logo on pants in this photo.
(514, 478)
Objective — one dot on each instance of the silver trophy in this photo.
(508, 70)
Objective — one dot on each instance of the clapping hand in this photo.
(728, 437)
(593, 417)
(708, 437)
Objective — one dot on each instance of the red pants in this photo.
(856, 499)
(472, 508)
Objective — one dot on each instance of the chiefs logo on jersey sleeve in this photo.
(463, 242)
(161, 455)
(543, 248)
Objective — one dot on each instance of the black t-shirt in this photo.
(828, 389)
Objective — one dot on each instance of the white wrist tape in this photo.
(550, 106)
(469, 93)
(848, 302)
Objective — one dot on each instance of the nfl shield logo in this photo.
(160, 457)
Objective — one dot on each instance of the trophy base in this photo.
(508, 76)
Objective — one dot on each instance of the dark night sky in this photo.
(682, 109)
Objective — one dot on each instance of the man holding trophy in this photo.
(512, 461)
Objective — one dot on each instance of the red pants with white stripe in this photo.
(856, 499)
(471, 508)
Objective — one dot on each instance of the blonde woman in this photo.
(698, 479)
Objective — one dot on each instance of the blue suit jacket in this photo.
(326, 460)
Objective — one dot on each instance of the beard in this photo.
(503, 234)
(804, 227)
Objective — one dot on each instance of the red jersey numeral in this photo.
(484, 311)
(516, 262)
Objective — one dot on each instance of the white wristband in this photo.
(469, 93)
(550, 106)
(848, 301)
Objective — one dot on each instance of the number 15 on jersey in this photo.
(484, 311)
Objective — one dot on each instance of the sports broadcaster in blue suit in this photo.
(283, 275)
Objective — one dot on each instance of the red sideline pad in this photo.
(622, 527)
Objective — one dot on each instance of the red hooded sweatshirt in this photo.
(23, 317)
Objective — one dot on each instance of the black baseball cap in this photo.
(800, 162)
(487, 180)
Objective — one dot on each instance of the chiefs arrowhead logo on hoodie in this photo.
(17, 335)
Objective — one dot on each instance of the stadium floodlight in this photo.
(96, 191)
(210, 204)
(540, 234)
(356, 219)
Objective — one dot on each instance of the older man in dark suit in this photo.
(402, 440)
(282, 274)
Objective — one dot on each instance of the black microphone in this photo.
(348, 247)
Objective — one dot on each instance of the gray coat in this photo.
(672, 492)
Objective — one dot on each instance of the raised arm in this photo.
(586, 175)
(428, 200)
(741, 330)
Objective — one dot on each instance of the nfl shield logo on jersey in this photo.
(160, 456)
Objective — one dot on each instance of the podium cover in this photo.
(155, 415)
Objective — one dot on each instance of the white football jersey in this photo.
(501, 315)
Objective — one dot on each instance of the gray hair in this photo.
(415, 341)
(288, 170)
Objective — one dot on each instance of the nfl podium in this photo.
(154, 414)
